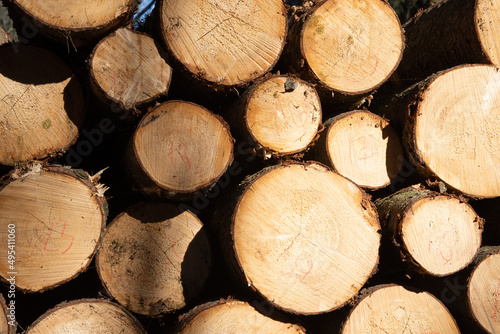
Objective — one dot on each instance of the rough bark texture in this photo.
(445, 35)
(87, 316)
(58, 215)
(436, 234)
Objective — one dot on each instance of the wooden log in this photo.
(280, 115)
(87, 316)
(436, 234)
(126, 68)
(154, 259)
(51, 221)
(232, 316)
(450, 127)
(483, 289)
(288, 240)
(194, 143)
(448, 34)
(224, 42)
(74, 23)
(41, 107)
(397, 309)
(7, 325)
(349, 48)
(361, 146)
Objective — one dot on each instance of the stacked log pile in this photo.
(250, 166)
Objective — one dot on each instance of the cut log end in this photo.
(41, 106)
(54, 220)
(232, 316)
(362, 147)
(352, 47)
(225, 42)
(483, 291)
(154, 259)
(315, 222)
(283, 115)
(128, 69)
(86, 316)
(486, 21)
(395, 309)
(195, 144)
(455, 133)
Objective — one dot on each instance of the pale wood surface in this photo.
(352, 46)
(283, 114)
(41, 107)
(86, 316)
(194, 143)
(128, 69)
(396, 309)
(305, 237)
(153, 258)
(58, 221)
(361, 146)
(232, 316)
(226, 42)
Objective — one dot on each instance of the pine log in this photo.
(41, 107)
(224, 42)
(232, 316)
(436, 234)
(348, 47)
(87, 316)
(450, 125)
(302, 236)
(483, 289)
(397, 309)
(361, 146)
(154, 259)
(126, 68)
(180, 148)
(448, 34)
(52, 218)
(73, 22)
(280, 115)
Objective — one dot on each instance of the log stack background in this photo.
(166, 124)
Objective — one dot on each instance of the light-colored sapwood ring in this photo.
(153, 259)
(396, 309)
(226, 42)
(352, 46)
(128, 69)
(87, 316)
(305, 237)
(183, 147)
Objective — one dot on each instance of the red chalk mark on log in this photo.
(364, 151)
(495, 310)
(53, 229)
(303, 266)
(180, 149)
(357, 63)
(173, 249)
